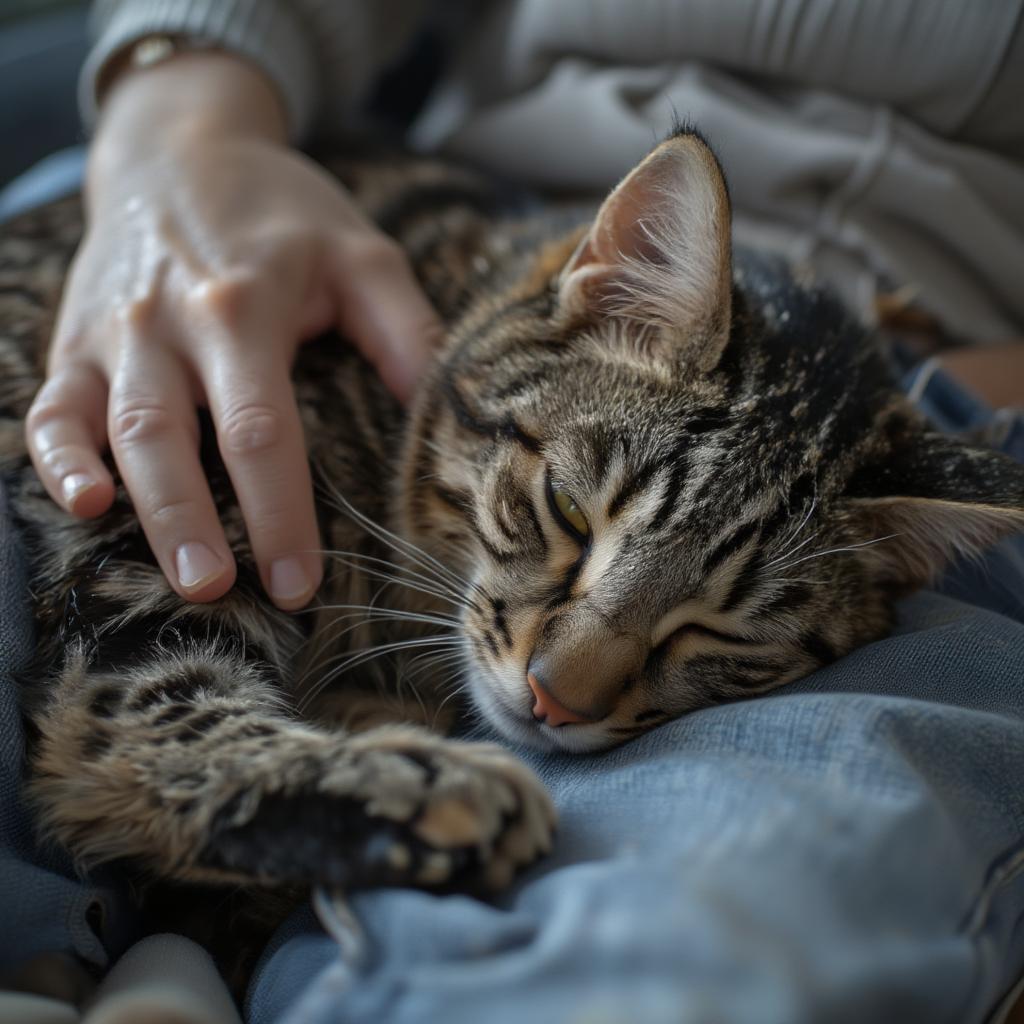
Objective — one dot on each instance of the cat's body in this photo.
(147, 683)
(639, 480)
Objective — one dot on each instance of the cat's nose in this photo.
(548, 710)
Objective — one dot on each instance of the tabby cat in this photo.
(645, 475)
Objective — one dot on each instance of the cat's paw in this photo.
(478, 814)
(395, 806)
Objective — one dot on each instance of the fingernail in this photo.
(289, 580)
(196, 564)
(74, 485)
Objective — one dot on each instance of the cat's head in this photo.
(671, 488)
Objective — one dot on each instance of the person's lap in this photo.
(851, 848)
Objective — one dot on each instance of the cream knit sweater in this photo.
(322, 54)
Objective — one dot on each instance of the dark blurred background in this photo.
(42, 46)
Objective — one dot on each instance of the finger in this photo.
(383, 311)
(154, 437)
(65, 433)
(261, 441)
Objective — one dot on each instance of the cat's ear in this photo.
(936, 499)
(659, 251)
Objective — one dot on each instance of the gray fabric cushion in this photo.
(39, 61)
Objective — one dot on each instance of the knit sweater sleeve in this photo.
(321, 54)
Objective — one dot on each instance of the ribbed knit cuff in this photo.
(264, 31)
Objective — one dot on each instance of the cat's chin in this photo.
(568, 739)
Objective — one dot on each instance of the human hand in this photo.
(212, 251)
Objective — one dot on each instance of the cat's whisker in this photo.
(436, 584)
(430, 663)
(322, 684)
(397, 581)
(786, 551)
(405, 682)
(407, 547)
(348, 659)
(367, 615)
(804, 521)
(792, 551)
(457, 689)
(351, 660)
(458, 594)
(392, 646)
(332, 635)
(432, 580)
(443, 673)
(840, 550)
(419, 657)
(378, 611)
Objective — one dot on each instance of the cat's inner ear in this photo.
(659, 250)
(935, 500)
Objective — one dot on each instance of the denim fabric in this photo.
(848, 849)
(44, 905)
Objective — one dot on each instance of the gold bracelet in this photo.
(153, 50)
(147, 52)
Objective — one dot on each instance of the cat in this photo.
(645, 474)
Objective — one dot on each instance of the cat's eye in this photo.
(691, 629)
(568, 513)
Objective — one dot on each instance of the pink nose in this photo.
(548, 710)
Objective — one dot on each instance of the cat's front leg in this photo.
(189, 766)
(397, 805)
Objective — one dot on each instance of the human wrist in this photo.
(185, 100)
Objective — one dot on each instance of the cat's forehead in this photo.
(791, 414)
(592, 433)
